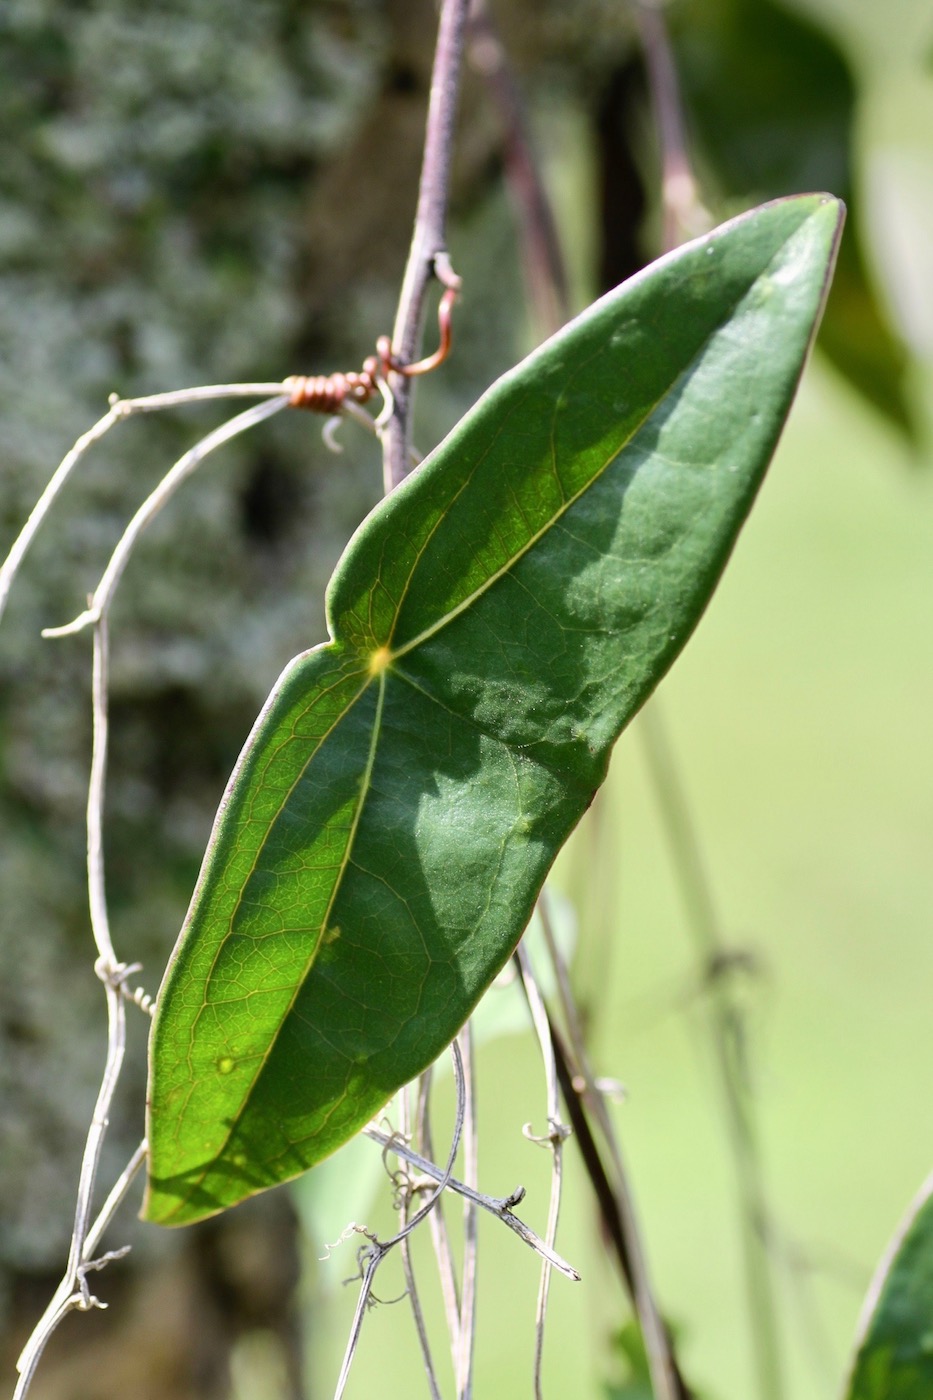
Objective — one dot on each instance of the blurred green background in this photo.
(219, 192)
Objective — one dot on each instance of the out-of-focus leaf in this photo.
(894, 1351)
(897, 173)
(633, 1379)
(769, 94)
(495, 623)
(772, 100)
(858, 338)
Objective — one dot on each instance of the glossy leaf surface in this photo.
(894, 1360)
(495, 623)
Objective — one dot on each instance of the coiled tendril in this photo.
(327, 393)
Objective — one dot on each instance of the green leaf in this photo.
(635, 1381)
(344, 1186)
(495, 623)
(894, 1356)
(630, 1361)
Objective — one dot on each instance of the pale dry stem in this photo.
(463, 1354)
(372, 1257)
(440, 1236)
(411, 1287)
(557, 1134)
(498, 1206)
(119, 410)
(73, 1292)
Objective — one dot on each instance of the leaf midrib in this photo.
(569, 501)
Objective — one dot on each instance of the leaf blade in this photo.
(496, 623)
(894, 1354)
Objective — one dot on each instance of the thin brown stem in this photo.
(542, 263)
(621, 1227)
(683, 213)
(727, 1031)
(428, 256)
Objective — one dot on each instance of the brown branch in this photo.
(617, 1228)
(428, 256)
(543, 265)
(727, 1030)
(684, 215)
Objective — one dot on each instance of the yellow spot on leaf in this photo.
(379, 660)
(328, 952)
(225, 1065)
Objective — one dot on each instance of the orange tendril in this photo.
(327, 393)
